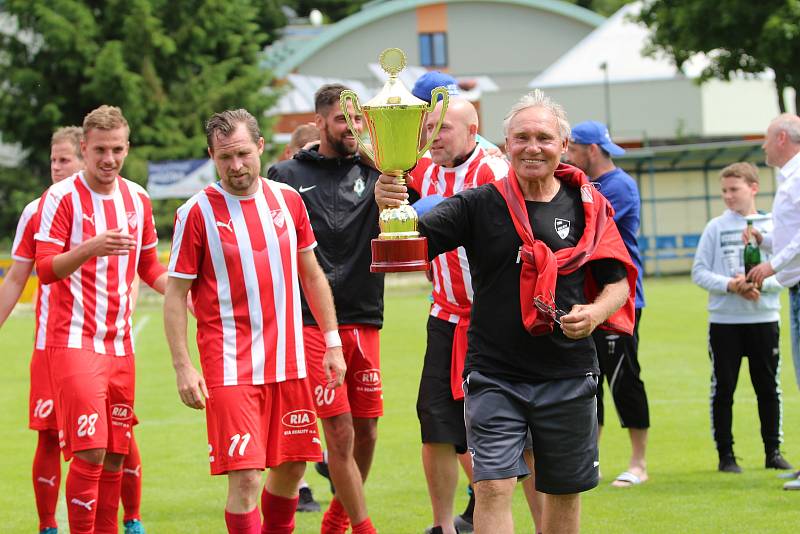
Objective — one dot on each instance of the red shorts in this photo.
(41, 412)
(255, 427)
(362, 392)
(94, 399)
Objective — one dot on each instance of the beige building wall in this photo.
(348, 56)
(665, 109)
(738, 107)
(510, 43)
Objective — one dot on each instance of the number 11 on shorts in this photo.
(242, 441)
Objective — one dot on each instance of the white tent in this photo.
(618, 43)
(606, 77)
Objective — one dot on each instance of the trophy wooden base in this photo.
(399, 255)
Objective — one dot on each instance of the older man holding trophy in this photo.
(548, 266)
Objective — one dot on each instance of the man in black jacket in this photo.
(337, 188)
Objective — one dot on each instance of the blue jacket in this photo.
(623, 194)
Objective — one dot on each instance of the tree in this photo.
(334, 10)
(738, 36)
(604, 7)
(168, 65)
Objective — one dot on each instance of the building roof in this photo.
(618, 43)
(411, 73)
(300, 97)
(286, 57)
(671, 158)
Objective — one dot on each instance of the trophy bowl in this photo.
(394, 119)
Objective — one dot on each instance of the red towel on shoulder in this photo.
(541, 266)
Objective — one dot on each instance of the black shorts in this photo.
(618, 356)
(561, 415)
(441, 418)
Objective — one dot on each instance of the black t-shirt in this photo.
(498, 344)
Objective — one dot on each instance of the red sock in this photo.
(278, 513)
(365, 527)
(335, 520)
(247, 523)
(47, 477)
(107, 521)
(83, 481)
(132, 483)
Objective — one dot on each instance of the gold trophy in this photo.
(394, 118)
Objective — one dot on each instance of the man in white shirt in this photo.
(782, 149)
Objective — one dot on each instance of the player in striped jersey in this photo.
(65, 160)
(241, 246)
(455, 163)
(95, 234)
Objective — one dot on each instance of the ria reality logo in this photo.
(121, 412)
(299, 418)
(369, 377)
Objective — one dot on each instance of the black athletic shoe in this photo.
(306, 503)
(438, 530)
(322, 469)
(463, 523)
(727, 464)
(774, 460)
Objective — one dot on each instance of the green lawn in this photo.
(684, 494)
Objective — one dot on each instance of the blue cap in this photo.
(430, 81)
(595, 133)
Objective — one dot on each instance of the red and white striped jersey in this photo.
(242, 253)
(94, 304)
(24, 250)
(452, 284)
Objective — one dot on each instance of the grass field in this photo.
(684, 493)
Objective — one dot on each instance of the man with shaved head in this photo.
(455, 163)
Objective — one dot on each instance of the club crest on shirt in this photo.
(278, 218)
(131, 220)
(562, 227)
(586, 193)
(358, 187)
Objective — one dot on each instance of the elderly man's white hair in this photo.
(789, 123)
(537, 99)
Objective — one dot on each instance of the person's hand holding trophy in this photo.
(395, 118)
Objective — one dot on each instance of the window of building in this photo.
(433, 49)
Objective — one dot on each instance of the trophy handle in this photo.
(445, 101)
(346, 95)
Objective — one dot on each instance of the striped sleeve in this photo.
(188, 241)
(55, 216)
(24, 247)
(149, 237)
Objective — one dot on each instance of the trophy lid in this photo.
(393, 93)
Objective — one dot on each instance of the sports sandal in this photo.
(629, 478)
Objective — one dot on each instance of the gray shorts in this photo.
(562, 418)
